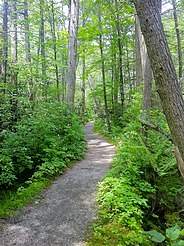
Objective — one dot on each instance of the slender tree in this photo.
(14, 69)
(42, 43)
(180, 72)
(28, 51)
(72, 49)
(144, 70)
(5, 42)
(118, 28)
(53, 30)
(103, 73)
(139, 72)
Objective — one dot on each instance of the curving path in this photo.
(68, 206)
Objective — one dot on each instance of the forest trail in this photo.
(68, 206)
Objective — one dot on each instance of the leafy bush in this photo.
(143, 185)
(42, 142)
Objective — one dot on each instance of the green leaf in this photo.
(179, 243)
(173, 232)
(156, 236)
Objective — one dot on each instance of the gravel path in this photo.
(68, 206)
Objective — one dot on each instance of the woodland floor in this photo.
(67, 209)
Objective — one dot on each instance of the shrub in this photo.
(44, 141)
(142, 187)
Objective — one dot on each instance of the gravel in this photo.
(67, 209)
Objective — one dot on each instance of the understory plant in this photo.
(41, 144)
(143, 188)
(172, 236)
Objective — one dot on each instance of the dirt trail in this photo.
(68, 206)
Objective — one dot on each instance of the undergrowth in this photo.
(143, 190)
(38, 147)
(13, 200)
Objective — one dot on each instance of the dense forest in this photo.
(119, 63)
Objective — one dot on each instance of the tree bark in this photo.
(72, 50)
(14, 68)
(139, 72)
(144, 69)
(179, 160)
(83, 89)
(28, 52)
(5, 43)
(147, 78)
(121, 82)
(103, 73)
(180, 70)
(42, 42)
(53, 30)
(116, 86)
(27, 31)
(163, 68)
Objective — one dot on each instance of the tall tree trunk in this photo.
(28, 52)
(103, 73)
(14, 72)
(128, 66)
(83, 89)
(121, 82)
(146, 70)
(15, 47)
(116, 86)
(147, 93)
(163, 68)
(42, 42)
(53, 30)
(139, 72)
(27, 33)
(5, 43)
(72, 50)
(180, 71)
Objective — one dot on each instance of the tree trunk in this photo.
(83, 89)
(121, 82)
(72, 50)
(163, 68)
(178, 42)
(15, 49)
(14, 71)
(27, 32)
(28, 52)
(53, 30)
(103, 74)
(145, 70)
(139, 72)
(5, 43)
(128, 66)
(42, 42)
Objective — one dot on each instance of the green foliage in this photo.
(173, 233)
(142, 184)
(40, 144)
(156, 236)
(172, 236)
